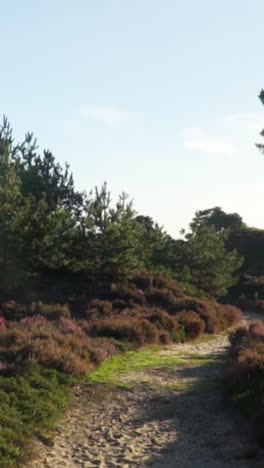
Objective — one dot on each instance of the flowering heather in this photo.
(67, 326)
(104, 349)
(36, 321)
(3, 365)
(3, 324)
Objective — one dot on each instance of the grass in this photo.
(204, 339)
(150, 357)
(31, 401)
(112, 371)
(178, 387)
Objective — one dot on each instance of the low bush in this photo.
(205, 309)
(59, 340)
(30, 404)
(162, 320)
(161, 298)
(165, 337)
(245, 373)
(161, 283)
(192, 323)
(127, 292)
(50, 311)
(98, 309)
(139, 331)
(63, 346)
(231, 315)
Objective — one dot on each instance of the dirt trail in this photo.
(173, 416)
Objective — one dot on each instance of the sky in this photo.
(157, 97)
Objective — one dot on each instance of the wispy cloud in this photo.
(250, 120)
(197, 139)
(105, 114)
(228, 136)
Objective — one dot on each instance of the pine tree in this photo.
(113, 237)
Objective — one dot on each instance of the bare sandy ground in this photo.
(171, 417)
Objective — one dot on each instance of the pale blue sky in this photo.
(157, 97)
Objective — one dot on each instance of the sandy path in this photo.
(171, 417)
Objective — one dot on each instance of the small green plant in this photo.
(30, 404)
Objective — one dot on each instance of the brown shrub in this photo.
(139, 331)
(193, 325)
(237, 338)
(65, 356)
(13, 311)
(50, 311)
(231, 314)
(167, 283)
(165, 337)
(161, 319)
(70, 351)
(143, 281)
(161, 298)
(98, 309)
(121, 304)
(128, 293)
(205, 309)
(256, 331)
(247, 364)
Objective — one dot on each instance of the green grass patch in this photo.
(178, 387)
(146, 358)
(111, 372)
(30, 403)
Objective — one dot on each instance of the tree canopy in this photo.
(217, 218)
(47, 226)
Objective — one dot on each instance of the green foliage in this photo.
(42, 175)
(217, 218)
(46, 226)
(206, 264)
(260, 146)
(30, 404)
(158, 248)
(113, 238)
(249, 243)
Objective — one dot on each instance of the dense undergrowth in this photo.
(44, 348)
(245, 373)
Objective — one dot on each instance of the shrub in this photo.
(205, 309)
(121, 304)
(50, 311)
(245, 373)
(193, 325)
(161, 319)
(30, 404)
(256, 331)
(231, 314)
(171, 285)
(144, 281)
(128, 293)
(61, 358)
(12, 311)
(165, 337)
(3, 324)
(238, 337)
(98, 309)
(132, 329)
(179, 335)
(103, 349)
(161, 298)
(68, 326)
(31, 323)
